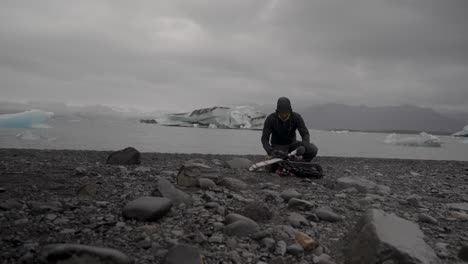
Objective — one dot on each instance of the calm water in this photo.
(116, 134)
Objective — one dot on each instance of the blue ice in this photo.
(27, 119)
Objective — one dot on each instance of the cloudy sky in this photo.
(182, 54)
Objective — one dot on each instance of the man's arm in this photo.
(266, 135)
(303, 131)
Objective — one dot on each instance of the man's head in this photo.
(283, 108)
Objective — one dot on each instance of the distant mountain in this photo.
(62, 110)
(387, 118)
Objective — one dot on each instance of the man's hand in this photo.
(279, 154)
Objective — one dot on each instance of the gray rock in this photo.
(459, 206)
(326, 214)
(2, 190)
(269, 243)
(231, 218)
(361, 184)
(216, 239)
(463, 253)
(233, 184)
(322, 259)
(379, 236)
(257, 211)
(281, 248)
(241, 228)
(147, 208)
(414, 200)
(192, 171)
(260, 235)
(239, 163)
(142, 169)
(10, 204)
(166, 189)
(278, 260)
(441, 250)
(297, 220)
(183, 254)
(288, 194)
(200, 237)
(127, 156)
(425, 218)
(295, 249)
(206, 184)
(299, 204)
(285, 232)
(74, 253)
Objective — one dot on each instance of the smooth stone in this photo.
(295, 249)
(168, 190)
(326, 214)
(299, 204)
(425, 218)
(183, 254)
(239, 163)
(297, 220)
(290, 193)
(147, 208)
(75, 253)
(233, 184)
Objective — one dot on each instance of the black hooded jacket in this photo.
(283, 132)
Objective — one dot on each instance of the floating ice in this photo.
(243, 117)
(28, 119)
(463, 133)
(421, 140)
(27, 135)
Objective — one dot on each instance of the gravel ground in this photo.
(65, 196)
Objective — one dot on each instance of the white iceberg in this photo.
(240, 117)
(421, 140)
(27, 119)
(27, 135)
(463, 133)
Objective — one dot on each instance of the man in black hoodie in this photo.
(281, 126)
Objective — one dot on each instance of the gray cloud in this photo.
(182, 54)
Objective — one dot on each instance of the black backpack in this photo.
(299, 169)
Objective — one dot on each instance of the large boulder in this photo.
(147, 208)
(127, 156)
(75, 253)
(380, 237)
(166, 189)
(192, 171)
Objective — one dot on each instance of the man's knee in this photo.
(311, 152)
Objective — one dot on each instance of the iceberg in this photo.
(240, 117)
(463, 133)
(27, 119)
(422, 140)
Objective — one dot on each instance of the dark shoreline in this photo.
(31, 177)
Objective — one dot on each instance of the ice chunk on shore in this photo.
(242, 117)
(463, 133)
(27, 119)
(421, 140)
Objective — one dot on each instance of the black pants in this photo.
(310, 149)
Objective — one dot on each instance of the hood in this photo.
(283, 105)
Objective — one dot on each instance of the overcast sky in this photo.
(183, 54)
